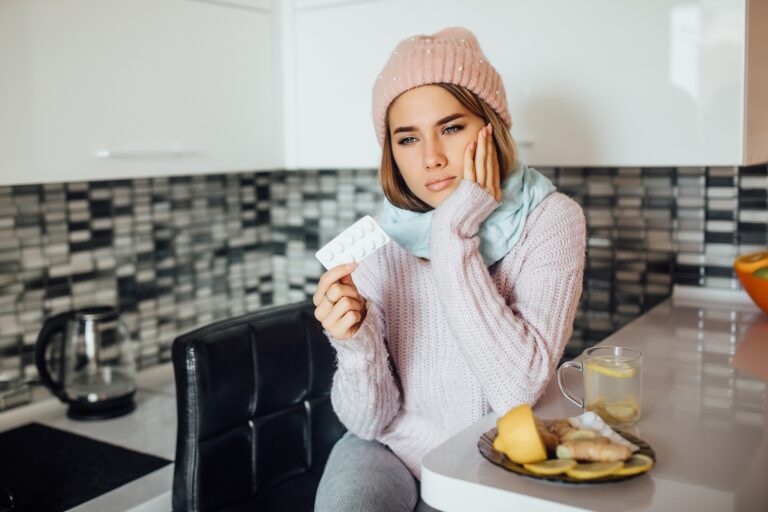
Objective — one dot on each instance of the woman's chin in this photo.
(435, 199)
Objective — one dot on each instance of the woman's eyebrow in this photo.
(446, 119)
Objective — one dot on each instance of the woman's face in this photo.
(430, 130)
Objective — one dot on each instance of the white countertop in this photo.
(151, 429)
(704, 411)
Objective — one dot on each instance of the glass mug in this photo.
(612, 383)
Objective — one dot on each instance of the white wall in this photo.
(589, 82)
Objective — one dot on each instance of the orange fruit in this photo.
(749, 263)
(749, 268)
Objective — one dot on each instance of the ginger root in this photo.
(550, 439)
(560, 427)
(565, 432)
(599, 449)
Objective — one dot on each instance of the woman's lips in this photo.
(442, 184)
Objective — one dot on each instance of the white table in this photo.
(704, 411)
(151, 429)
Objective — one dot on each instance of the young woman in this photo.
(469, 309)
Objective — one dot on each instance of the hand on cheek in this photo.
(481, 163)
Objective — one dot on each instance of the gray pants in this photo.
(365, 476)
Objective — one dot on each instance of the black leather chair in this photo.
(255, 422)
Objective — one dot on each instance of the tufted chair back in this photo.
(255, 422)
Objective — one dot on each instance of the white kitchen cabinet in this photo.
(589, 82)
(103, 89)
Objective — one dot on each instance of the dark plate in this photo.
(485, 445)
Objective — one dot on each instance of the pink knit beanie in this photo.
(452, 56)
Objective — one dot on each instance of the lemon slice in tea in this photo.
(618, 370)
(638, 463)
(550, 467)
(592, 470)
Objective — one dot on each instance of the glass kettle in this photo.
(85, 358)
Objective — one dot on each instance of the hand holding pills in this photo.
(338, 304)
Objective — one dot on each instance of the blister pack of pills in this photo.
(353, 244)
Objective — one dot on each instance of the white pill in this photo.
(357, 251)
(369, 244)
(344, 258)
(337, 246)
(326, 255)
(359, 233)
(347, 238)
(378, 238)
(368, 225)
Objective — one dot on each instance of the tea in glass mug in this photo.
(612, 383)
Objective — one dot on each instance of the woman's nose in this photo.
(434, 156)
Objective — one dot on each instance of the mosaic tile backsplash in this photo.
(176, 253)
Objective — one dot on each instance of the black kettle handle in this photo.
(56, 323)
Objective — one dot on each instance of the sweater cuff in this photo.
(463, 211)
(361, 349)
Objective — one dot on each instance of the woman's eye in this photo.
(407, 141)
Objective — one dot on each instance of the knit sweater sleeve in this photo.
(512, 343)
(365, 394)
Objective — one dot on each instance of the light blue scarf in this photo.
(521, 192)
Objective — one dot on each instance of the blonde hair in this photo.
(392, 182)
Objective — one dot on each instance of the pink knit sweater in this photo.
(447, 341)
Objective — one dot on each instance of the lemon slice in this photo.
(638, 463)
(550, 467)
(620, 412)
(619, 370)
(578, 433)
(592, 470)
